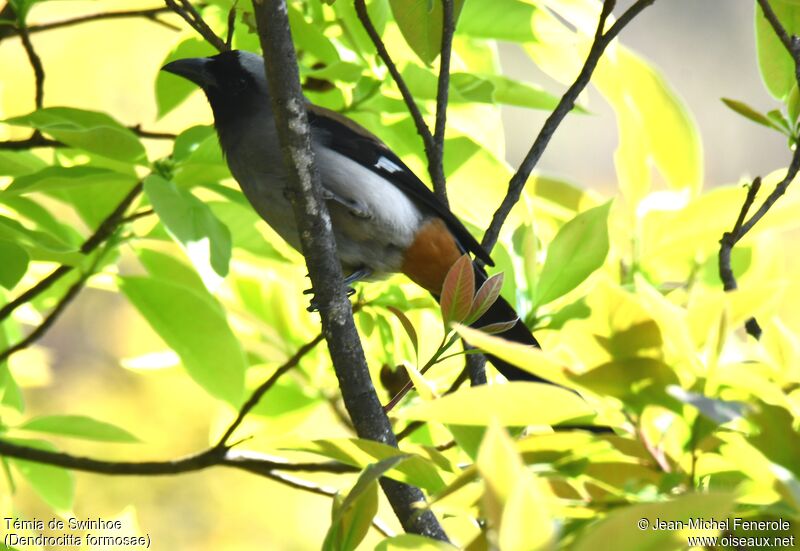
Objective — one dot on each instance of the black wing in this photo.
(355, 142)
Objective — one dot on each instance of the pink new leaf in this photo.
(457, 291)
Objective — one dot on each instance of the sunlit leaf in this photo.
(79, 426)
(196, 330)
(528, 358)
(58, 178)
(497, 19)
(632, 528)
(414, 469)
(88, 130)
(512, 404)
(17, 163)
(205, 239)
(578, 249)
(413, 542)
(353, 516)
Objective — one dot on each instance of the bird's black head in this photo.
(234, 82)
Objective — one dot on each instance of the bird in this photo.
(384, 218)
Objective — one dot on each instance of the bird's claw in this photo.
(313, 305)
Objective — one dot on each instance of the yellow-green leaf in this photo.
(511, 404)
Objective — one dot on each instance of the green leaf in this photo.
(17, 163)
(53, 484)
(58, 178)
(793, 105)
(578, 249)
(415, 469)
(42, 218)
(480, 88)
(458, 291)
(310, 38)
(39, 245)
(420, 21)
(285, 397)
(510, 20)
(169, 268)
(655, 127)
(413, 542)
(14, 263)
(407, 326)
(779, 121)
(172, 90)
(776, 436)
(79, 426)
(191, 223)
(774, 61)
(352, 517)
(484, 298)
(632, 528)
(637, 381)
(513, 404)
(198, 158)
(196, 330)
(87, 130)
(749, 113)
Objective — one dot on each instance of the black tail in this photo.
(501, 312)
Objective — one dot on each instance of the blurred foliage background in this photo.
(178, 320)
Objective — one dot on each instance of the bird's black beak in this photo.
(194, 69)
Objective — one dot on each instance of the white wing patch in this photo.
(387, 165)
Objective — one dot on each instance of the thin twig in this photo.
(103, 232)
(565, 105)
(36, 64)
(209, 458)
(190, 14)
(436, 163)
(137, 129)
(265, 386)
(408, 98)
(137, 215)
(744, 225)
(773, 20)
(36, 140)
(146, 13)
(231, 24)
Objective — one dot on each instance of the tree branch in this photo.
(36, 64)
(565, 105)
(36, 140)
(190, 14)
(743, 225)
(319, 249)
(51, 318)
(150, 14)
